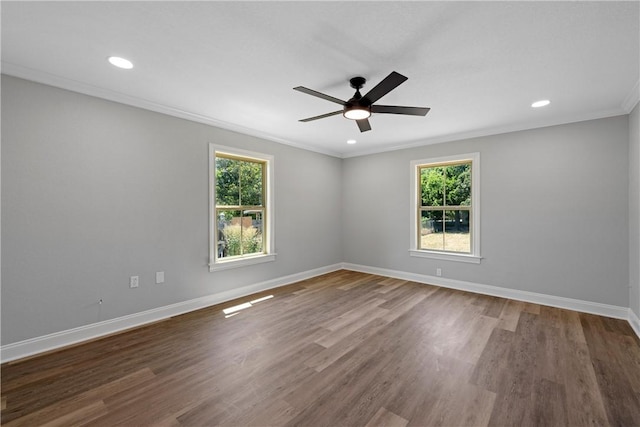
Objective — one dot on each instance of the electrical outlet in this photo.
(134, 281)
(438, 272)
(160, 277)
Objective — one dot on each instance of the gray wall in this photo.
(94, 192)
(554, 211)
(634, 210)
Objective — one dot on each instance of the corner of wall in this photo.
(632, 98)
(634, 321)
(634, 215)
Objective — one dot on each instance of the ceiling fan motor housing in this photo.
(357, 82)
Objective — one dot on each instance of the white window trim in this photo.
(270, 254)
(474, 257)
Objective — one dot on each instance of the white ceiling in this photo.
(478, 65)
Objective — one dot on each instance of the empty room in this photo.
(325, 213)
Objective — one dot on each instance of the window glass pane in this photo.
(431, 235)
(251, 183)
(227, 182)
(432, 184)
(229, 233)
(456, 231)
(458, 185)
(252, 238)
(239, 233)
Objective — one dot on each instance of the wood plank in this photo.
(276, 413)
(390, 286)
(476, 340)
(404, 307)
(493, 306)
(458, 404)
(386, 418)
(494, 362)
(356, 395)
(336, 335)
(621, 402)
(81, 416)
(550, 361)
(549, 404)
(584, 401)
(571, 326)
(510, 315)
(330, 355)
(85, 404)
(354, 314)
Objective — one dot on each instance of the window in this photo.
(445, 213)
(241, 223)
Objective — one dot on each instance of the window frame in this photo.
(268, 254)
(474, 217)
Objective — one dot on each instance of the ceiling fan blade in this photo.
(363, 125)
(396, 109)
(388, 84)
(321, 116)
(318, 94)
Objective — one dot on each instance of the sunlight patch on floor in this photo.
(232, 311)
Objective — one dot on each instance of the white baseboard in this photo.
(634, 321)
(61, 339)
(543, 299)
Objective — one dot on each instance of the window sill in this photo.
(241, 262)
(449, 256)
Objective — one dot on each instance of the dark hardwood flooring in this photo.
(342, 349)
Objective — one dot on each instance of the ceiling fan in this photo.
(359, 108)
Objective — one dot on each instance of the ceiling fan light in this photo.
(357, 113)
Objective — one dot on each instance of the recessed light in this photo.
(120, 62)
(541, 103)
(351, 141)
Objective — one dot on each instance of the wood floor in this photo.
(343, 349)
